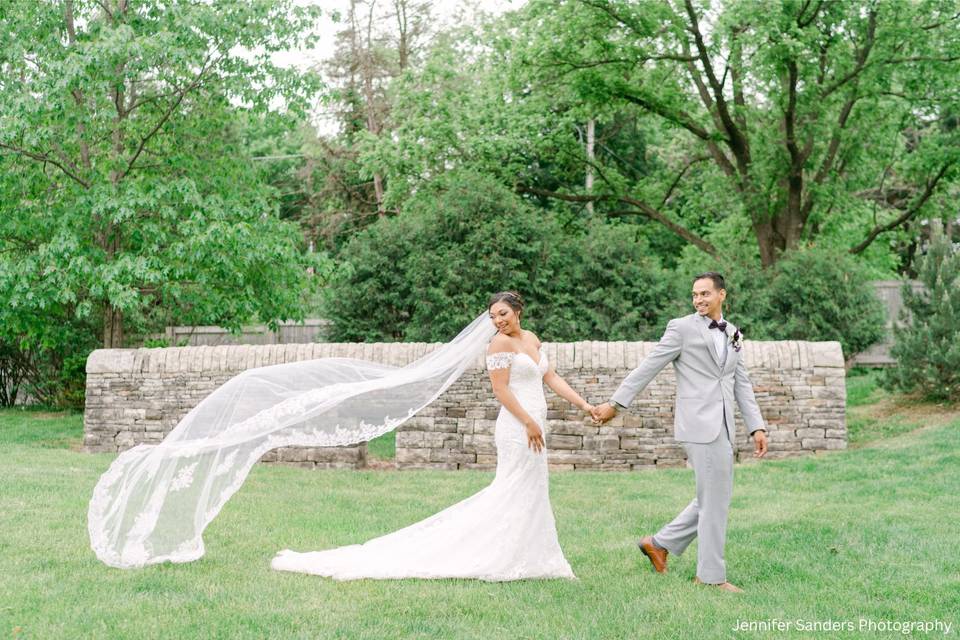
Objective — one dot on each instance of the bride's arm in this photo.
(564, 390)
(500, 379)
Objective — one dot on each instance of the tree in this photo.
(368, 57)
(802, 110)
(128, 193)
(927, 345)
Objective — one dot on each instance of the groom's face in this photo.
(707, 299)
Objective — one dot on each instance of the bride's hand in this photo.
(587, 408)
(535, 437)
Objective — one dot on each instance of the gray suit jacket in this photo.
(705, 390)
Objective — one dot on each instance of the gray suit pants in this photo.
(706, 516)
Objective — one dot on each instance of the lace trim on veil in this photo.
(154, 501)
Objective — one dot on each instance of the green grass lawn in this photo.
(384, 447)
(870, 532)
(875, 414)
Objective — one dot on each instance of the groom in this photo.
(705, 352)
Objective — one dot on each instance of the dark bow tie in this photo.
(722, 325)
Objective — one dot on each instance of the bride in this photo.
(154, 502)
(507, 530)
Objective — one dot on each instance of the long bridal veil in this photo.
(154, 501)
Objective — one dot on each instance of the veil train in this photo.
(154, 501)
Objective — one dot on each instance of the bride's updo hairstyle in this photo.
(510, 298)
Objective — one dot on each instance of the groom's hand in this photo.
(759, 443)
(603, 412)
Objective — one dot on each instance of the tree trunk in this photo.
(766, 242)
(112, 327)
(373, 123)
(403, 41)
(791, 219)
(591, 140)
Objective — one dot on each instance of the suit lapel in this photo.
(707, 338)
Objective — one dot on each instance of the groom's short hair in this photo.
(718, 281)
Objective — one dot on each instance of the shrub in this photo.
(608, 286)
(824, 294)
(927, 346)
(811, 293)
(424, 274)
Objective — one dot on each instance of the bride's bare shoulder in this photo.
(501, 343)
(531, 335)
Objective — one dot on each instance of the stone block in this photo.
(615, 466)
(575, 457)
(671, 463)
(479, 443)
(349, 455)
(814, 443)
(453, 456)
(669, 451)
(406, 456)
(602, 442)
(555, 441)
(443, 466)
(409, 439)
(572, 428)
(292, 454)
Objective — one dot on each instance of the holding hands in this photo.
(602, 413)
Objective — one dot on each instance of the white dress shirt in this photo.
(719, 339)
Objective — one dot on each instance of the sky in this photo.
(442, 10)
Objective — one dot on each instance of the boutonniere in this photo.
(736, 340)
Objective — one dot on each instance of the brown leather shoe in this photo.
(725, 586)
(657, 556)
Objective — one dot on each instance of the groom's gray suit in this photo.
(710, 377)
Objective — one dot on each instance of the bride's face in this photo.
(504, 318)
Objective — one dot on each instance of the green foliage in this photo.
(927, 345)
(825, 295)
(807, 118)
(129, 196)
(42, 354)
(862, 385)
(813, 293)
(423, 275)
(608, 287)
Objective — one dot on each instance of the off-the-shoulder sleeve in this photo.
(500, 360)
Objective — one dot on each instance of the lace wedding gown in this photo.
(504, 532)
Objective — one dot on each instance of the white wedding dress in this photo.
(505, 532)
